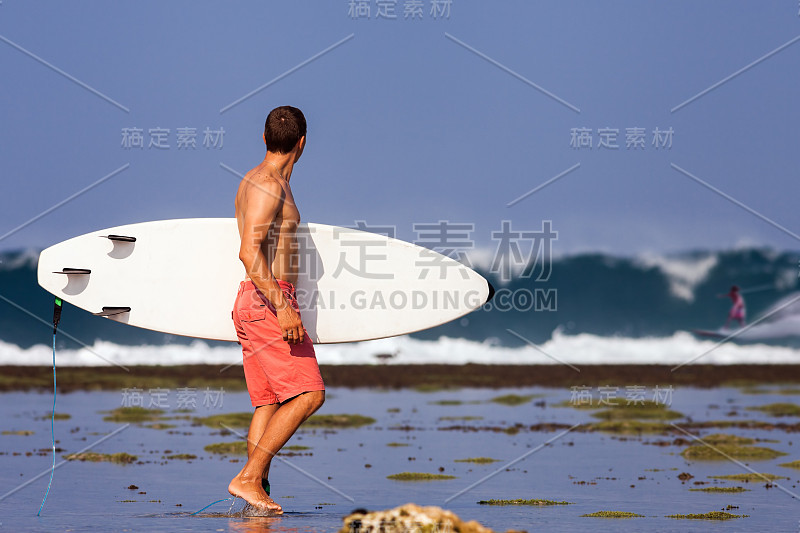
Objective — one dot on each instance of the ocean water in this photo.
(347, 468)
(677, 349)
(602, 309)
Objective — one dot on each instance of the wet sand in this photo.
(20, 378)
(444, 422)
(448, 436)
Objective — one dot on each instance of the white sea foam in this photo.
(677, 349)
(683, 273)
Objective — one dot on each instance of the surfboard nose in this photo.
(491, 291)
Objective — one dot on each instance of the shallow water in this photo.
(594, 471)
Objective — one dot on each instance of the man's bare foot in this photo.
(250, 490)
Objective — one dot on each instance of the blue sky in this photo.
(412, 120)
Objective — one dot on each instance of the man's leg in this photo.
(258, 425)
(280, 427)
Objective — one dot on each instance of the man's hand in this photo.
(291, 325)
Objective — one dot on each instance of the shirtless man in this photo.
(280, 367)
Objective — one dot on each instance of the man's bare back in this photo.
(267, 217)
(281, 231)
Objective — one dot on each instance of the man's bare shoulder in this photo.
(257, 183)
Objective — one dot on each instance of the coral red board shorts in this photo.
(275, 371)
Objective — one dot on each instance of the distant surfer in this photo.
(737, 311)
(280, 366)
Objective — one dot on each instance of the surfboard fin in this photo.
(67, 270)
(111, 311)
(119, 238)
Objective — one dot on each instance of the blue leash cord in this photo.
(56, 319)
(52, 428)
(210, 504)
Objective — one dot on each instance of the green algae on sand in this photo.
(182, 456)
(640, 409)
(536, 501)
(133, 415)
(612, 514)
(741, 424)
(722, 438)
(57, 416)
(234, 420)
(589, 404)
(238, 447)
(446, 402)
(726, 451)
(628, 427)
(713, 515)
(160, 425)
(418, 476)
(727, 490)
(338, 421)
(477, 460)
(747, 478)
(514, 399)
(778, 409)
(616, 403)
(644, 405)
(638, 413)
(93, 457)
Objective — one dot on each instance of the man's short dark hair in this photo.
(283, 128)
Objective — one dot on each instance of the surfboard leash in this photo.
(214, 503)
(56, 314)
(56, 319)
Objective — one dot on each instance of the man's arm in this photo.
(260, 211)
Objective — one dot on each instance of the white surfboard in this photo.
(182, 276)
(721, 333)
